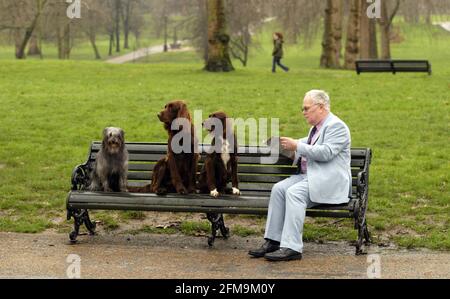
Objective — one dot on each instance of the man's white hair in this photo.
(319, 97)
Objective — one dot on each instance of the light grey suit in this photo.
(328, 181)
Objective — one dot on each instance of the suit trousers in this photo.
(289, 200)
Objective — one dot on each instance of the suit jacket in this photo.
(328, 166)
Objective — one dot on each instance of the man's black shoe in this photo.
(269, 246)
(283, 254)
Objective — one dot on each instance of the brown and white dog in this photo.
(221, 162)
(176, 171)
(111, 166)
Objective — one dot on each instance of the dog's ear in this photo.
(105, 132)
(105, 137)
(122, 135)
(183, 112)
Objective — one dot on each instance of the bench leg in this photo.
(217, 223)
(90, 226)
(80, 217)
(367, 238)
(225, 231)
(359, 242)
(363, 234)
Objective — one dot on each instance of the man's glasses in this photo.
(306, 109)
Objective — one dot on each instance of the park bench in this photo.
(394, 66)
(256, 181)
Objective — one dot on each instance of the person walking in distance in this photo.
(277, 52)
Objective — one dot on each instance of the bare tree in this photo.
(298, 18)
(243, 25)
(199, 28)
(94, 18)
(387, 16)
(126, 16)
(117, 14)
(22, 17)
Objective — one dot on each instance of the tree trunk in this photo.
(67, 41)
(337, 31)
(292, 22)
(428, 11)
(126, 24)
(385, 32)
(331, 37)
(91, 32)
(386, 25)
(17, 40)
(368, 34)
(92, 39)
(117, 24)
(373, 40)
(202, 28)
(63, 40)
(111, 43)
(218, 39)
(412, 12)
(33, 48)
(352, 44)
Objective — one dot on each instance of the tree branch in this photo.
(391, 18)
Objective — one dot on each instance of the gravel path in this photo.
(176, 256)
(143, 53)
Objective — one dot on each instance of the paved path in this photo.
(445, 25)
(143, 53)
(176, 256)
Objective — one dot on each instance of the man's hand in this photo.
(288, 143)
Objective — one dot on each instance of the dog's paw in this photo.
(161, 191)
(236, 191)
(214, 193)
(182, 191)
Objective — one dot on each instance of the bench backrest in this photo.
(411, 65)
(374, 65)
(254, 177)
(388, 65)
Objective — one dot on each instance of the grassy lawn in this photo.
(51, 111)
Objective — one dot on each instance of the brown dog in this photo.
(176, 171)
(221, 162)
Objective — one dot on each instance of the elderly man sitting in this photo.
(323, 177)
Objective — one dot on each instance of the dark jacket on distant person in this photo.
(277, 48)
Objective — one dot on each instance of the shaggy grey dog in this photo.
(111, 166)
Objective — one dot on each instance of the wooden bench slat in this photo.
(241, 160)
(160, 148)
(146, 176)
(80, 199)
(248, 169)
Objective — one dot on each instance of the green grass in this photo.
(243, 231)
(51, 111)
(194, 228)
